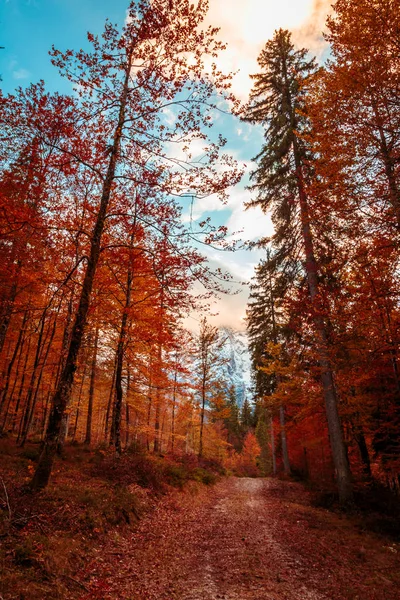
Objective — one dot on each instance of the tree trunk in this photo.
(21, 387)
(127, 411)
(110, 400)
(44, 361)
(203, 408)
(339, 454)
(173, 412)
(285, 454)
(79, 404)
(18, 345)
(6, 315)
(273, 451)
(88, 437)
(117, 412)
(28, 402)
(63, 392)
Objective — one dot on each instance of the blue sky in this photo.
(29, 28)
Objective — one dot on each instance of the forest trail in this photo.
(246, 539)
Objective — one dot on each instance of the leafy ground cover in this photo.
(48, 539)
(146, 528)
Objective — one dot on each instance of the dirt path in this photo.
(246, 539)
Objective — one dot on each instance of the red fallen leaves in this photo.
(247, 539)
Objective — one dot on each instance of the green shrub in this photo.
(176, 475)
(203, 476)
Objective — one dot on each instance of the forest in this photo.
(99, 270)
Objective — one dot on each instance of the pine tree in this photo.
(263, 327)
(232, 423)
(246, 416)
(280, 181)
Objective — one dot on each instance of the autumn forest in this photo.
(100, 375)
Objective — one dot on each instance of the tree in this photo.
(354, 109)
(207, 359)
(269, 286)
(280, 181)
(124, 84)
(232, 421)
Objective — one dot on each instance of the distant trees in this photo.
(207, 361)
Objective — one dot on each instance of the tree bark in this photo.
(273, 451)
(117, 412)
(285, 453)
(88, 437)
(18, 345)
(339, 454)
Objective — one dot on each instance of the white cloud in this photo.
(20, 74)
(247, 26)
(250, 224)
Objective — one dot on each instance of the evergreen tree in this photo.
(280, 181)
(246, 416)
(263, 435)
(264, 327)
(232, 423)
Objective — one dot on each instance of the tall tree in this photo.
(280, 181)
(207, 358)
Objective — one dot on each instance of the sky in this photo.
(28, 29)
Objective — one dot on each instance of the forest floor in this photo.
(93, 534)
(246, 539)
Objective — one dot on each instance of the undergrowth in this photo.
(47, 538)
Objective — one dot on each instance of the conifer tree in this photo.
(270, 284)
(280, 180)
(246, 416)
(232, 423)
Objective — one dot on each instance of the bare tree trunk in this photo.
(88, 437)
(6, 314)
(273, 451)
(117, 411)
(110, 400)
(285, 454)
(159, 371)
(28, 402)
(18, 345)
(34, 400)
(79, 403)
(149, 405)
(127, 415)
(21, 387)
(173, 412)
(202, 414)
